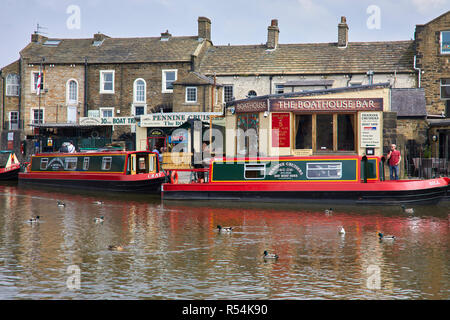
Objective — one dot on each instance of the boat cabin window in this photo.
(70, 163)
(324, 170)
(86, 163)
(151, 163)
(106, 163)
(44, 163)
(142, 163)
(255, 171)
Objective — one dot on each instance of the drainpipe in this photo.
(85, 87)
(3, 99)
(419, 72)
(270, 87)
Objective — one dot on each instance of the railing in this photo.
(428, 167)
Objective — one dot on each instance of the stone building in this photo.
(105, 77)
(432, 61)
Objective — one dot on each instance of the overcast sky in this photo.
(233, 21)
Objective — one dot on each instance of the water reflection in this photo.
(172, 250)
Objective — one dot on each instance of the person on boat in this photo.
(160, 155)
(71, 147)
(64, 148)
(394, 159)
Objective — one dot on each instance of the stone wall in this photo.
(434, 65)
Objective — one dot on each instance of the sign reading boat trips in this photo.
(110, 121)
(370, 129)
(280, 130)
(335, 104)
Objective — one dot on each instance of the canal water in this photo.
(172, 250)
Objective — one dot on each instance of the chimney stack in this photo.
(36, 37)
(100, 36)
(165, 35)
(343, 33)
(272, 34)
(204, 28)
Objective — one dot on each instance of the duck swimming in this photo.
(385, 237)
(98, 202)
(270, 255)
(99, 220)
(34, 219)
(342, 231)
(407, 210)
(329, 211)
(60, 203)
(115, 248)
(224, 229)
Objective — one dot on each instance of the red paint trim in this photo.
(90, 176)
(399, 185)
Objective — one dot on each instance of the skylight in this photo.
(52, 43)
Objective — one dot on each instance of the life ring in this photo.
(94, 134)
(174, 177)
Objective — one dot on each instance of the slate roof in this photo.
(114, 50)
(409, 102)
(195, 78)
(310, 58)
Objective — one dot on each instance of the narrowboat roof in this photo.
(89, 153)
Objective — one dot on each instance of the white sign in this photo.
(370, 123)
(174, 119)
(112, 121)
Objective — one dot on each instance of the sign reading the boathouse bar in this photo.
(335, 104)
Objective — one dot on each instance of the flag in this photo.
(39, 83)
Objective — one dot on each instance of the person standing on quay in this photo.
(394, 159)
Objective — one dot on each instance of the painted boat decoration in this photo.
(125, 171)
(332, 179)
(9, 165)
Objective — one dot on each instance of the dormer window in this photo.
(445, 42)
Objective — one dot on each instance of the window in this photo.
(106, 163)
(141, 163)
(445, 89)
(37, 116)
(251, 94)
(107, 112)
(345, 132)
(14, 120)
(254, 171)
(12, 85)
(44, 163)
(107, 81)
(139, 110)
(247, 134)
(303, 136)
(139, 90)
(86, 163)
(279, 88)
(191, 94)
(72, 92)
(34, 80)
(445, 42)
(228, 93)
(324, 132)
(168, 78)
(324, 170)
(70, 163)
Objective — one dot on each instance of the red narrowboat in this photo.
(124, 171)
(9, 166)
(332, 179)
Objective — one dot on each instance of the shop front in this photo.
(345, 121)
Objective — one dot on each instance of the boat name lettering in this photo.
(434, 183)
(286, 170)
